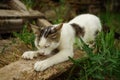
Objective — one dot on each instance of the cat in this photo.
(62, 37)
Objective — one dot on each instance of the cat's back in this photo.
(84, 19)
(90, 23)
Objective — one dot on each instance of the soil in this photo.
(11, 50)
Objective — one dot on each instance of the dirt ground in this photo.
(11, 50)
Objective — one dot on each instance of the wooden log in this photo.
(17, 5)
(23, 70)
(18, 14)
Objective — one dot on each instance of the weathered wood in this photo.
(10, 25)
(18, 14)
(4, 6)
(23, 70)
(11, 21)
(11, 28)
(36, 14)
(17, 5)
(43, 23)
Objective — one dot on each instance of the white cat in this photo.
(61, 37)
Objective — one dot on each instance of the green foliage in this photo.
(111, 19)
(105, 64)
(61, 11)
(29, 3)
(25, 36)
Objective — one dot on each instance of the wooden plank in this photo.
(18, 14)
(43, 23)
(17, 5)
(10, 25)
(36, 13)
(11, 21)
(11, 28)
(4, 6)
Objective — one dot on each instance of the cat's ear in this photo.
(35, 29)
(58, 27)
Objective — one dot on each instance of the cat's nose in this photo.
(42, 42)
(46, 46)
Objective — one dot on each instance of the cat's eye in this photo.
(41, 32)
(52, 36)
(53, 31)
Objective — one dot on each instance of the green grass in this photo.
(105, 64)
(29, 3)
(111, 19)
(26, 36)
(60, 11)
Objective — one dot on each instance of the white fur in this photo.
(90, 23)
(30, 54)
(42, 42)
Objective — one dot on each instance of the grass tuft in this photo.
(103, 65)
(26, 36)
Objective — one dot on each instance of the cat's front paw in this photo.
(41, 65)
(29, 55)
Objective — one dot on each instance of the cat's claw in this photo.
(29, 55)
(41, 65)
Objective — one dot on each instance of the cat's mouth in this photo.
(46, 46)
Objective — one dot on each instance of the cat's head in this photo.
(47, 37)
